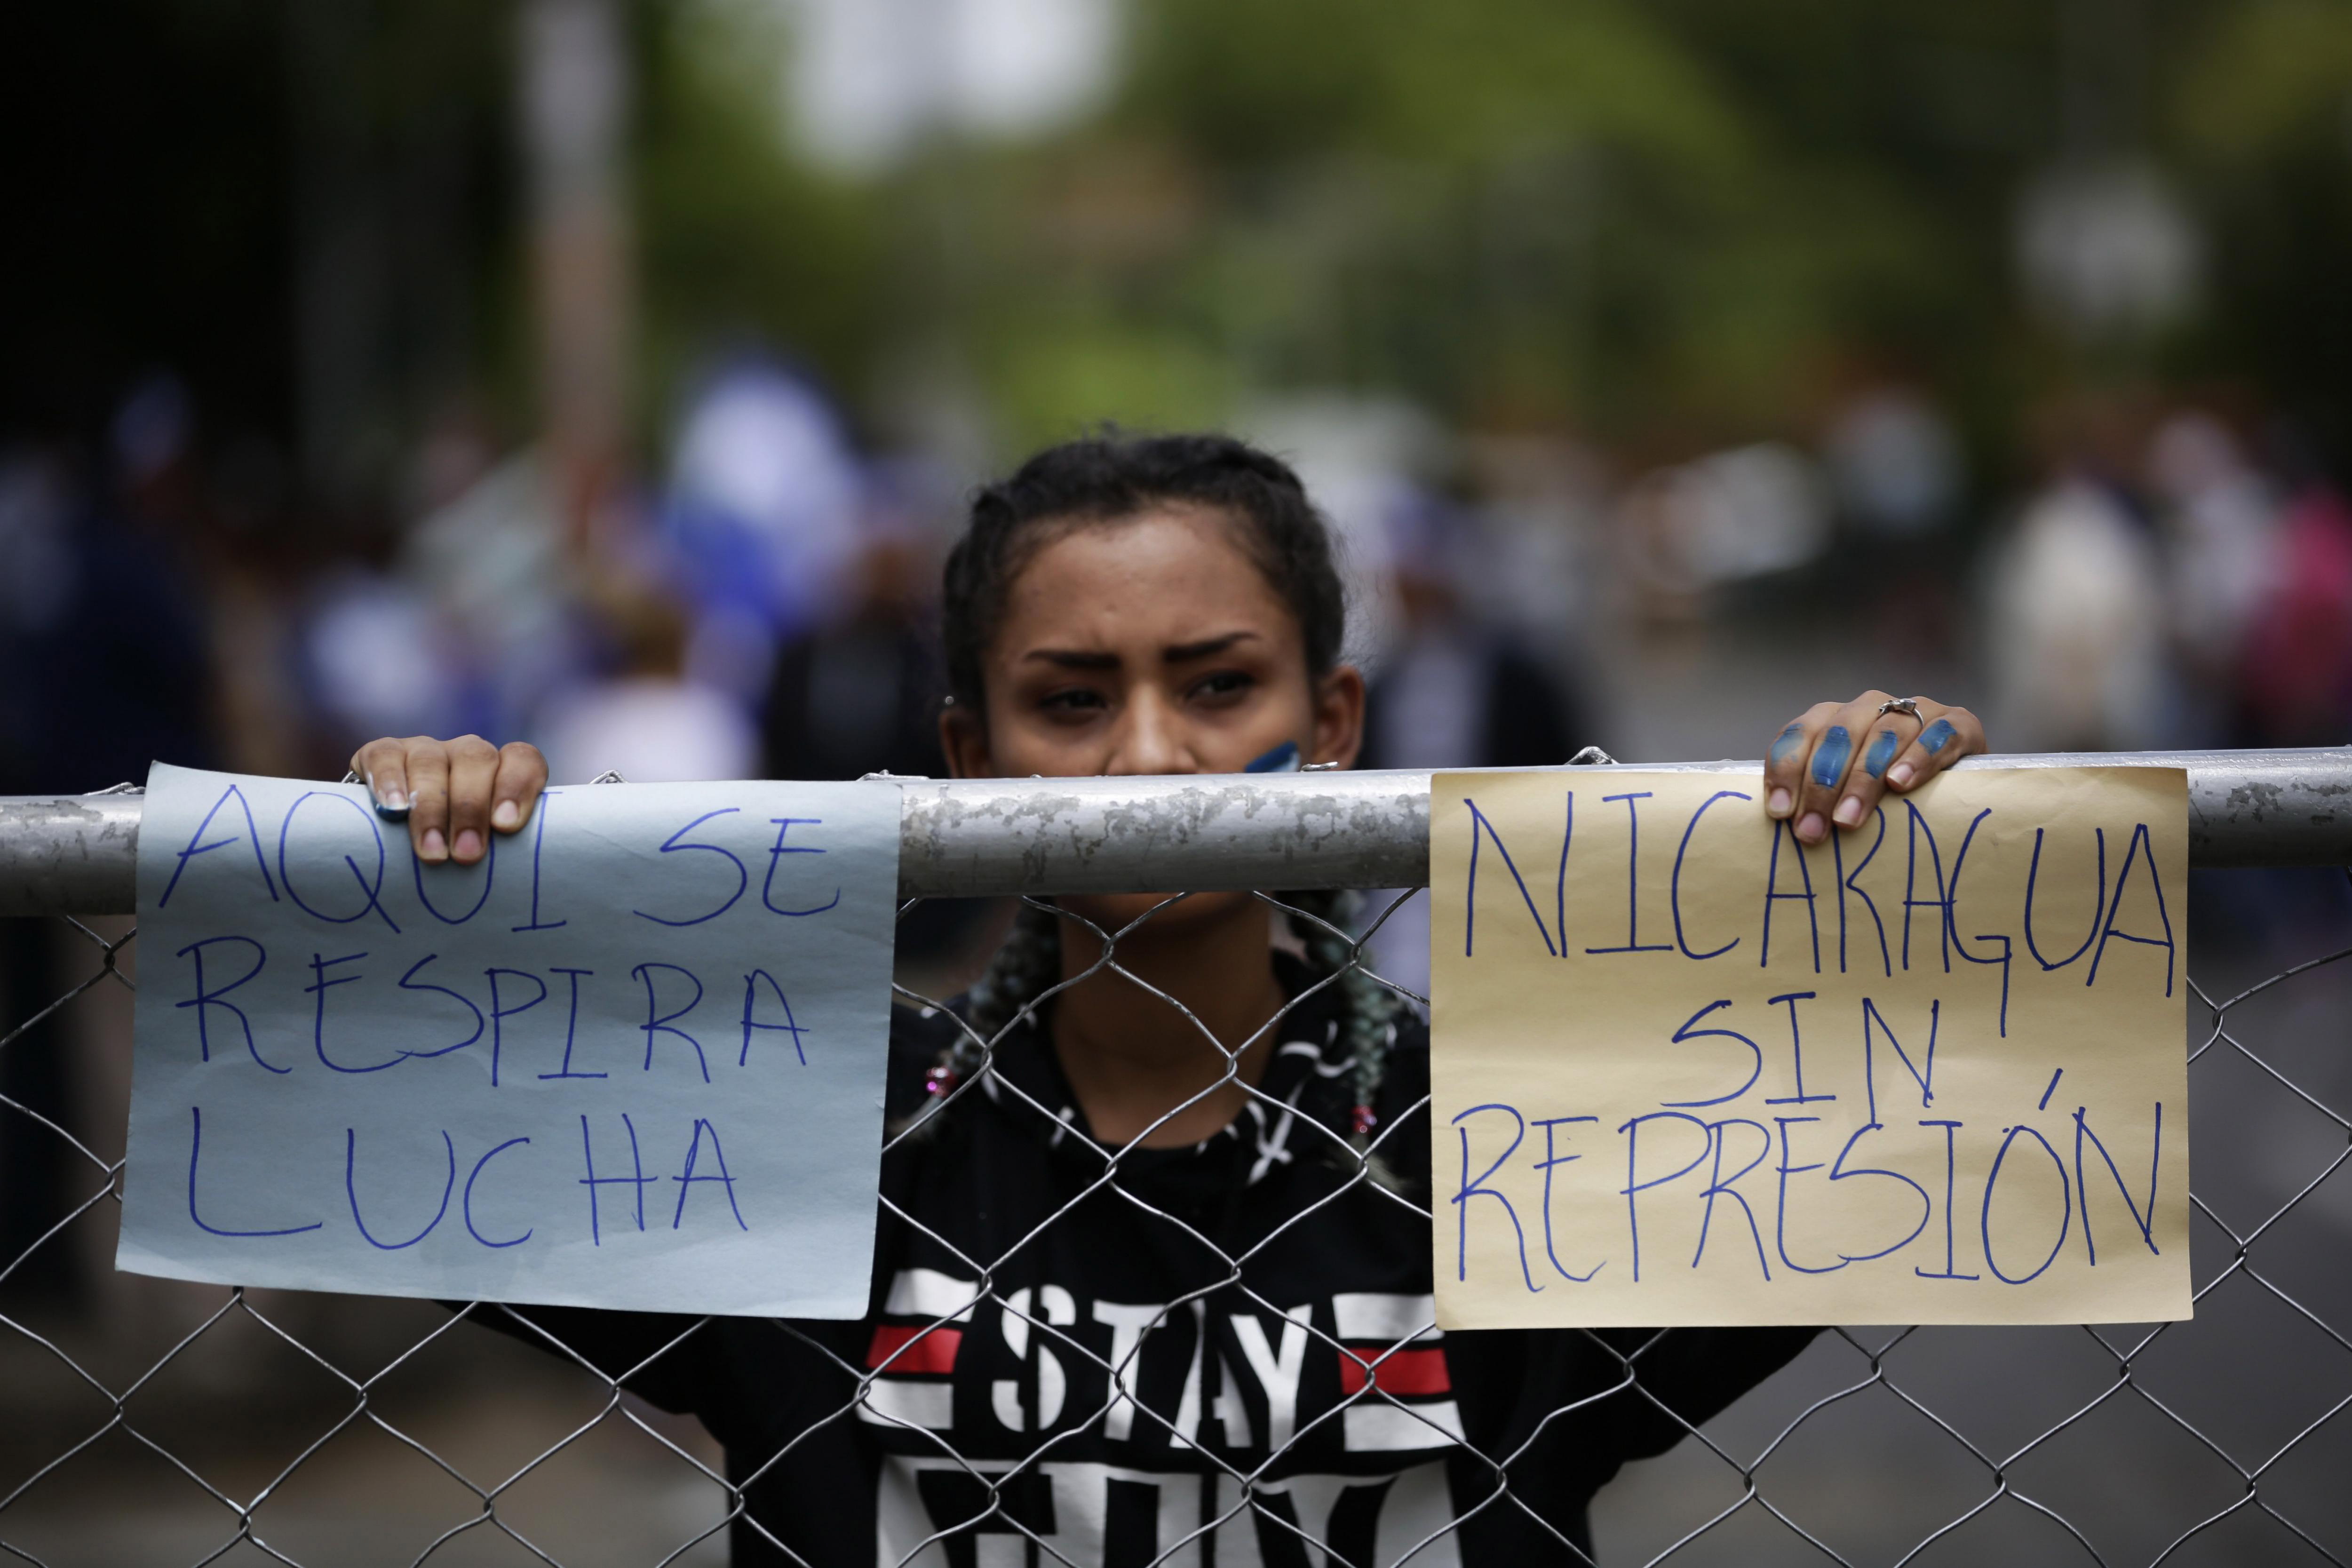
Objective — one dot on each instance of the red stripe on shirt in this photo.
(917, 1349)
(1404, 1372)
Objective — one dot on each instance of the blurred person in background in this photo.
(376, 653)
(2295, 668)
(2219, 517)
(111, 605)
(39, 518)
(492, 564)
(860, 693)
(2078, 608)
(645, 719)
(1895, 464)
(1730, 519)
(1896, 474)
(392, 641)
(763, 508)
(38, 578)
(1457, 689)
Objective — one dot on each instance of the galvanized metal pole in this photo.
(68, 855)
(1372, 829)
(974, 838)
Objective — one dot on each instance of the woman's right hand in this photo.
(456, 792)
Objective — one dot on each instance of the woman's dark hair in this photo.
(1112, 477)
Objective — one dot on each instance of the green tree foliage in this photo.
(2263, 103)
(739, 242)
(1666, 222)
(1620, 215)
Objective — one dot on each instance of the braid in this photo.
(1029, 963)
(1368, 1008)
(1025, 967)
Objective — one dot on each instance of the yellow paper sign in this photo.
(1686, 1071)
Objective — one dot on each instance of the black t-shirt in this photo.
(1240, 1287)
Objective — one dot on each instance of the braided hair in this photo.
(1029, 963)
(1106, 479)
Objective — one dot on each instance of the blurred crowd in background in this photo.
(762, 604)
(610, 373)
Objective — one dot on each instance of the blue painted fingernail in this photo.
(1791, 742)
(1881, 752)
(1282, 758)
(1936, 736)
(1831, 755)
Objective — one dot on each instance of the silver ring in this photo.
(1908, 706)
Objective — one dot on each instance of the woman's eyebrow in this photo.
(1072, 658)
(1206, 647)
(1177, 653)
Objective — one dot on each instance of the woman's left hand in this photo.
(1832, 763)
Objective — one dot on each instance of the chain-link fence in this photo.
(1270, 1402)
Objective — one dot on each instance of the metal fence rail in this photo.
(985, 838)
(149, 1421)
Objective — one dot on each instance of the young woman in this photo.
(1133, 1265)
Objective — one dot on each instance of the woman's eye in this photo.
(1225, 683)
(1072, 699)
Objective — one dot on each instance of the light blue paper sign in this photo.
(633, 1060)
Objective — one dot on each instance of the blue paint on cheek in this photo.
(1831, 755)
(1791, 742)
(1938, 735)
(1881, 752)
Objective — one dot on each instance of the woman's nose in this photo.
(1150, 740)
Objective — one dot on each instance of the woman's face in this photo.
(1151, 645)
